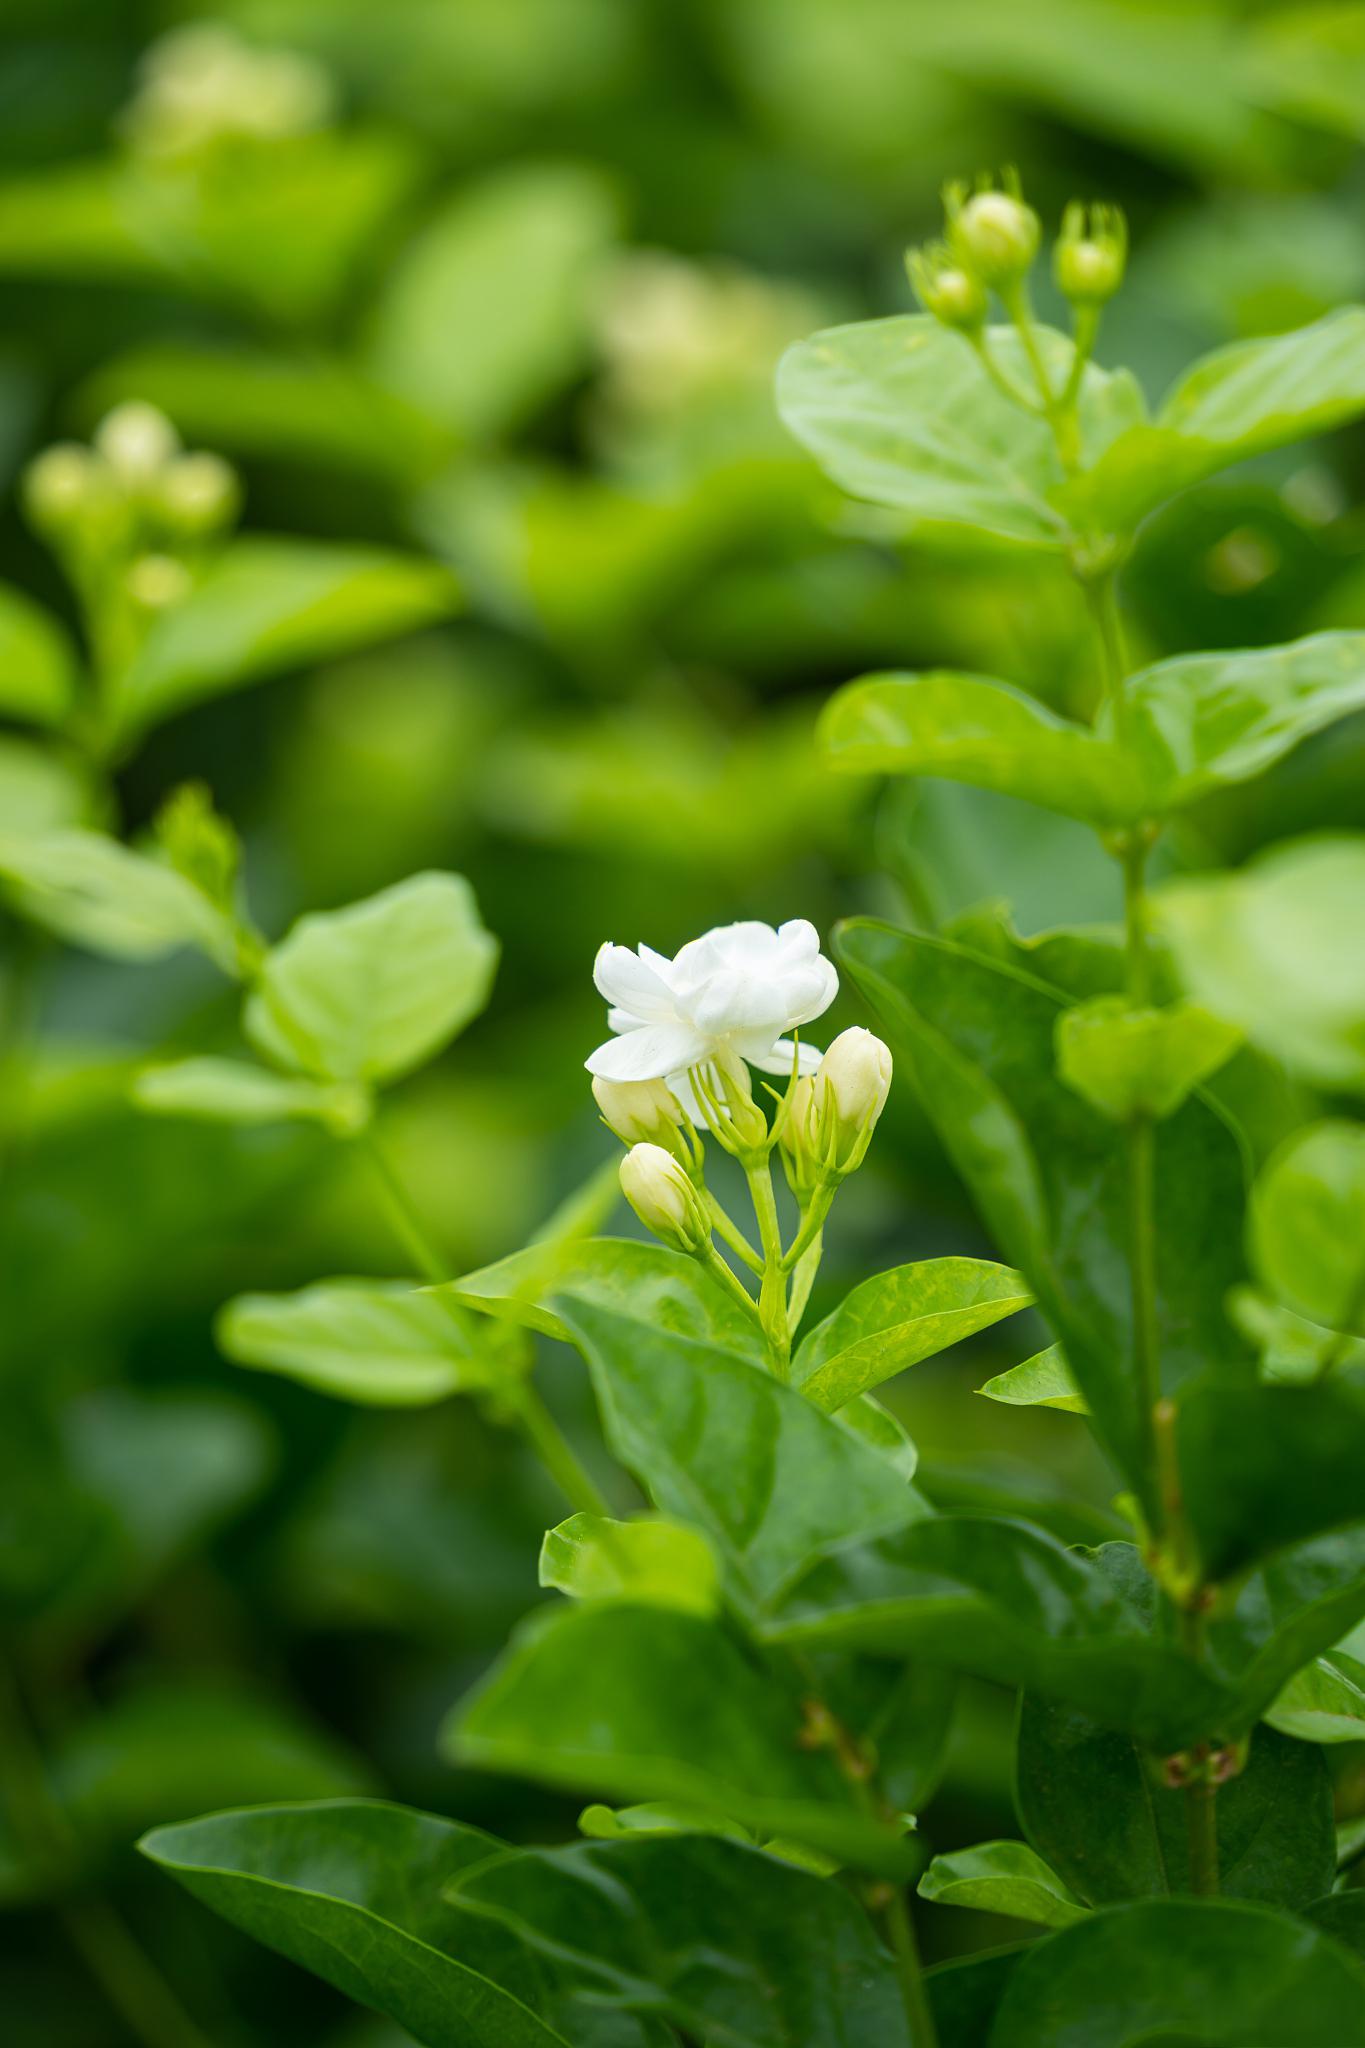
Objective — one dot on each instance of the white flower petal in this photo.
(630, 984)
(779, 1060)
(649, 1054)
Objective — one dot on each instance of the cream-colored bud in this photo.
(1091, 254)
(156, 582)
(857, 1073)
(137, 441)
(996, 237)
(660, 1192)
(640, 1112)
(59, 486)
(198, 494)
(945, 289)
(835, 1111)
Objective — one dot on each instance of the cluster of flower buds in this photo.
(202, 86)
(990, 244)
(133, 507)
(833, 1113)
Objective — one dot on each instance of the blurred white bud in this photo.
(156, 582)
(137, 441)
(1089, 259)
(953, 295)
(640, 1112)
(60, 485)
(198, 495)
(201, 84)
(661, 1193)
(994, 234)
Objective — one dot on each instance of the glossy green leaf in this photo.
(1235, 403)
(637, 1703)
(1050, 1176)
(102, 895)
(41, 790)
(1291, 1347)
(1001, 1877)
(898, 1318)
(1219, 1972)
(379, 1342)
(266, 606)
(725, 1943)
(508, 266)
(368, 992)
(234, 1092)
(1306, 1226)
(1093, 1804)
(1325, 1702)
(689, 1407)
(969, 729)
(1264, 1467)
(901, 412)
(1043, 1381)
(1278, 948)
(352, 1890)
(38, 664)
(652, 1561)
(1129, 1062)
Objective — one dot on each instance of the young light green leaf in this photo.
(270, 605)
(235, 1092)
(351, 1889)
(901, 412)
(1002, 1877)
(652, 1561)
(509, 265)
(41, 790)
(1278, 948)
(640, 1703)
(1129, 1062)
(898, 1318)
(101, 894)
(1291, 1347)
(1237, 402)
(38, 664)
(1220, 1972)
(1043, 1381)
(379, 1342)
(369, 992)
(1325, 1702)
(729, 1945)
(1306, 1225)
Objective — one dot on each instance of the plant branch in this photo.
(772, 1300)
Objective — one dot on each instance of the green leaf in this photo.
(969, 729)
(509, 267)
(723, 1942)
(266, 606)
(371, 991)
(1306, 1226)
(1291, 1347)
(1218, 1972)
(901, 412)
(1264, 1467)
(38, 664)
(1094, 1805)
(639, 1703)
(1002, 1877)
(100, 894)
(41, 790)
(234, 1092)
(1043, 1381)
(1006, 1602)
(1129, 1062)
(1050, 1176)
(652, 1561)
(1325, 1702)
(351, 1890)
(378, 1342)
(965, 1994)
(898, 1318)
(1237, 402)
(689, 1407)
(1278, 949)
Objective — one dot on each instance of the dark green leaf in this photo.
(1001, 1877)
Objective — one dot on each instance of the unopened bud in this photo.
(1090, 256)
(156, 582)
(835, 1111)
(59, 486)
(727, 1097)
(640, 1112)
(993, 234)
(137, 441)
(198, 495)
(944, 288)
(660, 1192)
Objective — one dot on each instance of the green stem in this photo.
(715, 1265)
(1083, 341)
(1201, 1794)
(1017, 304)
(910, 1971)
(803, 1280)
(1003, 383)
(772, 1300)
(1101, 596)
(1142, 1269)
(812, 1223)
(726, 1228)
(128, 1978)
(543, 1433)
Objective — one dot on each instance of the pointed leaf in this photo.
(652, 1561)
(235, 1092)
(379, 1342)
(103, 895)
(1043, 1381)
(1306, 1226)
(898, 1318)
(1002, 1877)
(1129, 1062)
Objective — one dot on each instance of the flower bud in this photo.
(156, 582)
(660, 1192)
(834, 1112)
(727, 1097)
(198, 495)
(640, 1112)
(993, 234)
(953, 295)
(137, 441)
(1090, 256)
(60, 486)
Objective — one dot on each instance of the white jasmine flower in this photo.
(734, 992)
